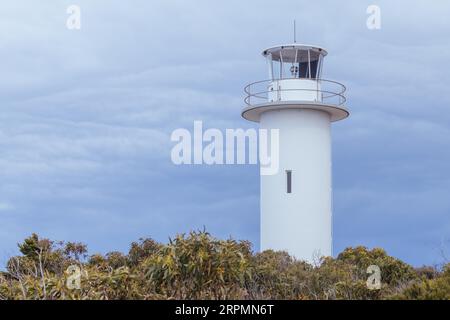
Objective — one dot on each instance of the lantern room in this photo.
(295, 81)
(294, 62)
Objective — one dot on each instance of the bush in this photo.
(199, 266)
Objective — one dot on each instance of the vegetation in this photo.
(198, 266)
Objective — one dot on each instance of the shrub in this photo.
(199, 266)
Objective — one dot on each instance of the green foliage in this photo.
(279, 276)
(198, 266)
(393, 270)
(436, 287)
(141, 250)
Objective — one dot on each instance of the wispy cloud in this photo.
(5, 206)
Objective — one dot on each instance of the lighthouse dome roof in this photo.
(295, 52)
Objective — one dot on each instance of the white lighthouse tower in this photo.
(296, 202)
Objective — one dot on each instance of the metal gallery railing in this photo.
(322, 90)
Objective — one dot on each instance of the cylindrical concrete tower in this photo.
(296, 202)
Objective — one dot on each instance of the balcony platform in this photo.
(253, 112)
(280, 94)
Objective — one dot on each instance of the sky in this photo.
(86, 117)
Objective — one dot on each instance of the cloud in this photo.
(5, 206)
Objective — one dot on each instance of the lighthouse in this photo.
(296, 202)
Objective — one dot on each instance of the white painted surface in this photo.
(299, 222)
(294, 90)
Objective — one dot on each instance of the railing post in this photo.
(278, 91)
(317, 89)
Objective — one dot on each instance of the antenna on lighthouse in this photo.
(295, 32)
